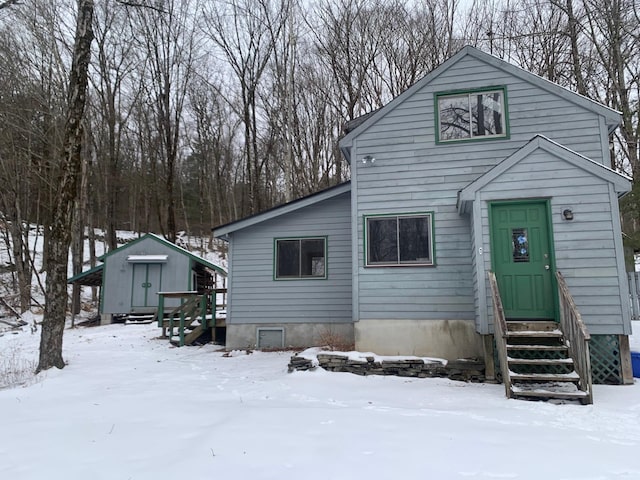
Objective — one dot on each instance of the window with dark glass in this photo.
(399, 240)
(300, 258)
(467, 115)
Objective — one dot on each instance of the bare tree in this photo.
(169, 50)
(244, 31)
(58, 235)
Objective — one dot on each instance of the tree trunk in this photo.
(59, 233)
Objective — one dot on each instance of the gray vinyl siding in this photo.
(256, 298)
(413, 174)
(176, 274)
(585, 248)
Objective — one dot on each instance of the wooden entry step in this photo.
(539, 364)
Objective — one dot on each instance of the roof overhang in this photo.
(611, 117)
(621, 183)
(90, 278)
(223, 231)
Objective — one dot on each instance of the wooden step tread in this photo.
(520, 393)
(535, 334)
(540, 361)
(544, 377)
(547, 348)
(515, 325)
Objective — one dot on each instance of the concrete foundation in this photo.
(106, 319)
(240, 336)
(448, 339)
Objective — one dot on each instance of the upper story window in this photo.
(475, 114)
(393, 240)
(300, 258)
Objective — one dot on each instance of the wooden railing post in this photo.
(500, 332)
(577, 335)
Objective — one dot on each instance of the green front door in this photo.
(521, 259)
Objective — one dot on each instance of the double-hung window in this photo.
(300, 258)
(478, 114)
(393, 240)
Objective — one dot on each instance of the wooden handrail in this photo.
(577, 335)
(500, 332)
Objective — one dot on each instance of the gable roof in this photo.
(621, 183)
(612, 117)
(93, 277)
(223, 230)
(172, 246)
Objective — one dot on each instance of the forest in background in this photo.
(200, 112)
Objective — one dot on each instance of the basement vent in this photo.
(270, 338)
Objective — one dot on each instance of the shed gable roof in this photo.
(172, 246)
(93, 277)
(612, 117)
(622, 183)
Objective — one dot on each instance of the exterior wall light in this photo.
(368, 159)
(567, 214)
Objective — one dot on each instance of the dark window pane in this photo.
(312, 257)
(382, 240)
(486, 113)
(454, 117)
(288, 258)
(414, 239)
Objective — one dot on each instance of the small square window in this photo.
(399, 240)
(300, 258)
(471, 115)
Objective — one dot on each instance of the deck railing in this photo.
(577, 336)
(500, 332)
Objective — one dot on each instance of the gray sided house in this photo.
(131, 276)
(479, 167)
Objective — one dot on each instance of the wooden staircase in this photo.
(190, 318)
(544, 360)
(538, 362)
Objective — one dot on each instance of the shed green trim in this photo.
(89, 276)
(172, 246)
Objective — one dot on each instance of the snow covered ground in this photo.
(129, 406)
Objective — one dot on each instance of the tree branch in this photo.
(128, 3)
(8, 3)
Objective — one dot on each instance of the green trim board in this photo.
(324, 239)
(89, 276)
(504, 123)
(432, 247)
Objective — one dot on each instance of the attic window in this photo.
(467, 115)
